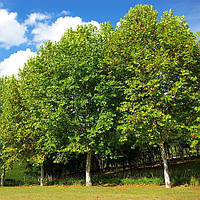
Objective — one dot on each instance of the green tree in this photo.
(35, 81)
(160, 59)
(11, 107)
(89, 102)
(68, 102)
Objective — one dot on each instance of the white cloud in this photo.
(35, 17)
(118, 24)
(12, 64)
(53, 32)
(65, 12)
(12, 33)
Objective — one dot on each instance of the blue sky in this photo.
(25, 25)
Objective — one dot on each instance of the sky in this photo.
(26, 24)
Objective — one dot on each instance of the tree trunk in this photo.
(3, 177)
(165, 165)
(88, 167)
(42, 174)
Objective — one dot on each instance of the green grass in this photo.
(99, 193)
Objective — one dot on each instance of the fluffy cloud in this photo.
(12, 64)
(36, 27)
(53, 32)
(12, 33)
(35, 17)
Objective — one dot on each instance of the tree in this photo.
(91, 114)
(11, 107)
(35, 80)
(64, 93)
(160, 59)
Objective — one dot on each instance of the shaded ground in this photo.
(133, 192)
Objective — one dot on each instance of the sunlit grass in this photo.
(99, 193)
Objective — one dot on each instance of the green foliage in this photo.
(68, 181)
(194, 181)
(144, 181)
(62, 89)
(10, 123)
(96, 88)
(162, 58)
(17, 175)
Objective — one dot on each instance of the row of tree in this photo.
(96, 88)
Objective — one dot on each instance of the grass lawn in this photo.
(99, 193)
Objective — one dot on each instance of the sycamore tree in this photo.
(11, 108)
(89, 101)
(160, 59)
(35, 82)
(70, 108)
(47, 117)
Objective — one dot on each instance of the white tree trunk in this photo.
(3, 177)
(165, 165)
(88, 167)
(42, 174)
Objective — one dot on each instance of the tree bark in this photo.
(165, 164)
(88, 168)
(42, 174)
(3, 177)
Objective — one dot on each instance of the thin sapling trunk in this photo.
(88, 168)
(3, 177)
(165, 165)
(42, 174)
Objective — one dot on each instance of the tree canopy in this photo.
(95, 88)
